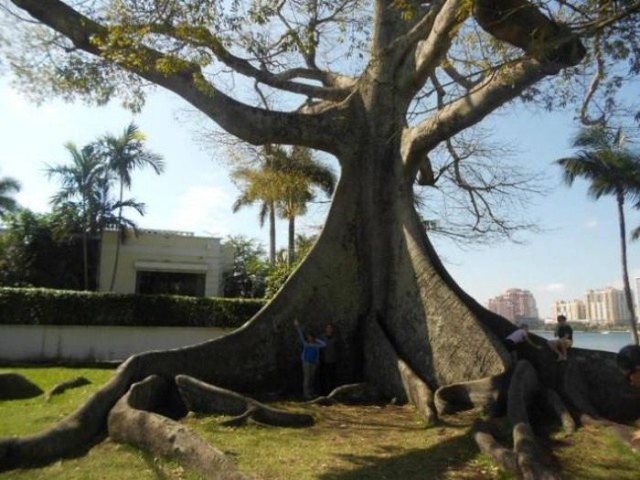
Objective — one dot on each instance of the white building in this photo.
(607, 305)
(162, 261)
(575, 310)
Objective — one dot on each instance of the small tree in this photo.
(82, 182)
(611, 169)
(247, 279)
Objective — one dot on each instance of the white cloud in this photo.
(18, 104)
(591, 224)
(553, 287)
(203, 209)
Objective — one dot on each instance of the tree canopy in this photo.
(453, 61)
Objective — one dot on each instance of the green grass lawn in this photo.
(347, 443)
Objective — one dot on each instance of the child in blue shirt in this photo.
(310, 359)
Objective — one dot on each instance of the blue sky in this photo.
(578, 250)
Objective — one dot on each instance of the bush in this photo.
(39, 306)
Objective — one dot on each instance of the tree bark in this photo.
(625, 268)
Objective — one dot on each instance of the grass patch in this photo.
(347, 443)
(24, 417)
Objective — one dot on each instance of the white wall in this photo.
(92, 343)
(164, 251)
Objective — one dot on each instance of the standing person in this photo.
(329, 357)
(310, 359)
(564, 332)
(517, 338)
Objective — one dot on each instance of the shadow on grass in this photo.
(449, 455)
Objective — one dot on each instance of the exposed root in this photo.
(504, 457)
(560, 409)
(130, 423)
(351, 394)
(533, 461)
(62, 387)
(484, 393)
(576, 390)
(73, 435)
(14, 386)
(393, 375)
(205, 398)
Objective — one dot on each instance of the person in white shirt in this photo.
(517, 338)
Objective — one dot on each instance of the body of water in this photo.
(607, 341)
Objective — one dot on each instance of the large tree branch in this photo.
(254, 125)
(430, 52)
(503, 85)
(336, 86)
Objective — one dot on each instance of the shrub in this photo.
(39, 306)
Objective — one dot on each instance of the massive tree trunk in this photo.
(409, 330)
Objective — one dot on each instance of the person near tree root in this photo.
(564, 340)
(310, 359)
(517, 339)
(329, 357)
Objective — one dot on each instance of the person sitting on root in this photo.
(564, 340)
(517, 339)
(310, 359)
(628, 360)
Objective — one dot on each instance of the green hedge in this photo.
(38, 306)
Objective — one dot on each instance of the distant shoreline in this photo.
(579, 327)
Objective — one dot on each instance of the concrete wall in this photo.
(164, 251)
(91, 343)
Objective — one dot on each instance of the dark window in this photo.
(172, 283)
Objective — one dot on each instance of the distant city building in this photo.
(575, 310)
(515, 304)
(607, 306)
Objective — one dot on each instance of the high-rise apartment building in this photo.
(575, 310)
(607, 306)
(514, 304)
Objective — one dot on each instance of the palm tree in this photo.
(300, 175)
(124, 154)
(8, 186)
(260, 185)
(284, 183)
(82, 182)
(613, 170)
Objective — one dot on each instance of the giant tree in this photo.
(379, 86)
(611, 169)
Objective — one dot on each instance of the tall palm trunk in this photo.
(85, 259)
(272, 233)
(291, 250)
(118, 228)
(625, 269)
